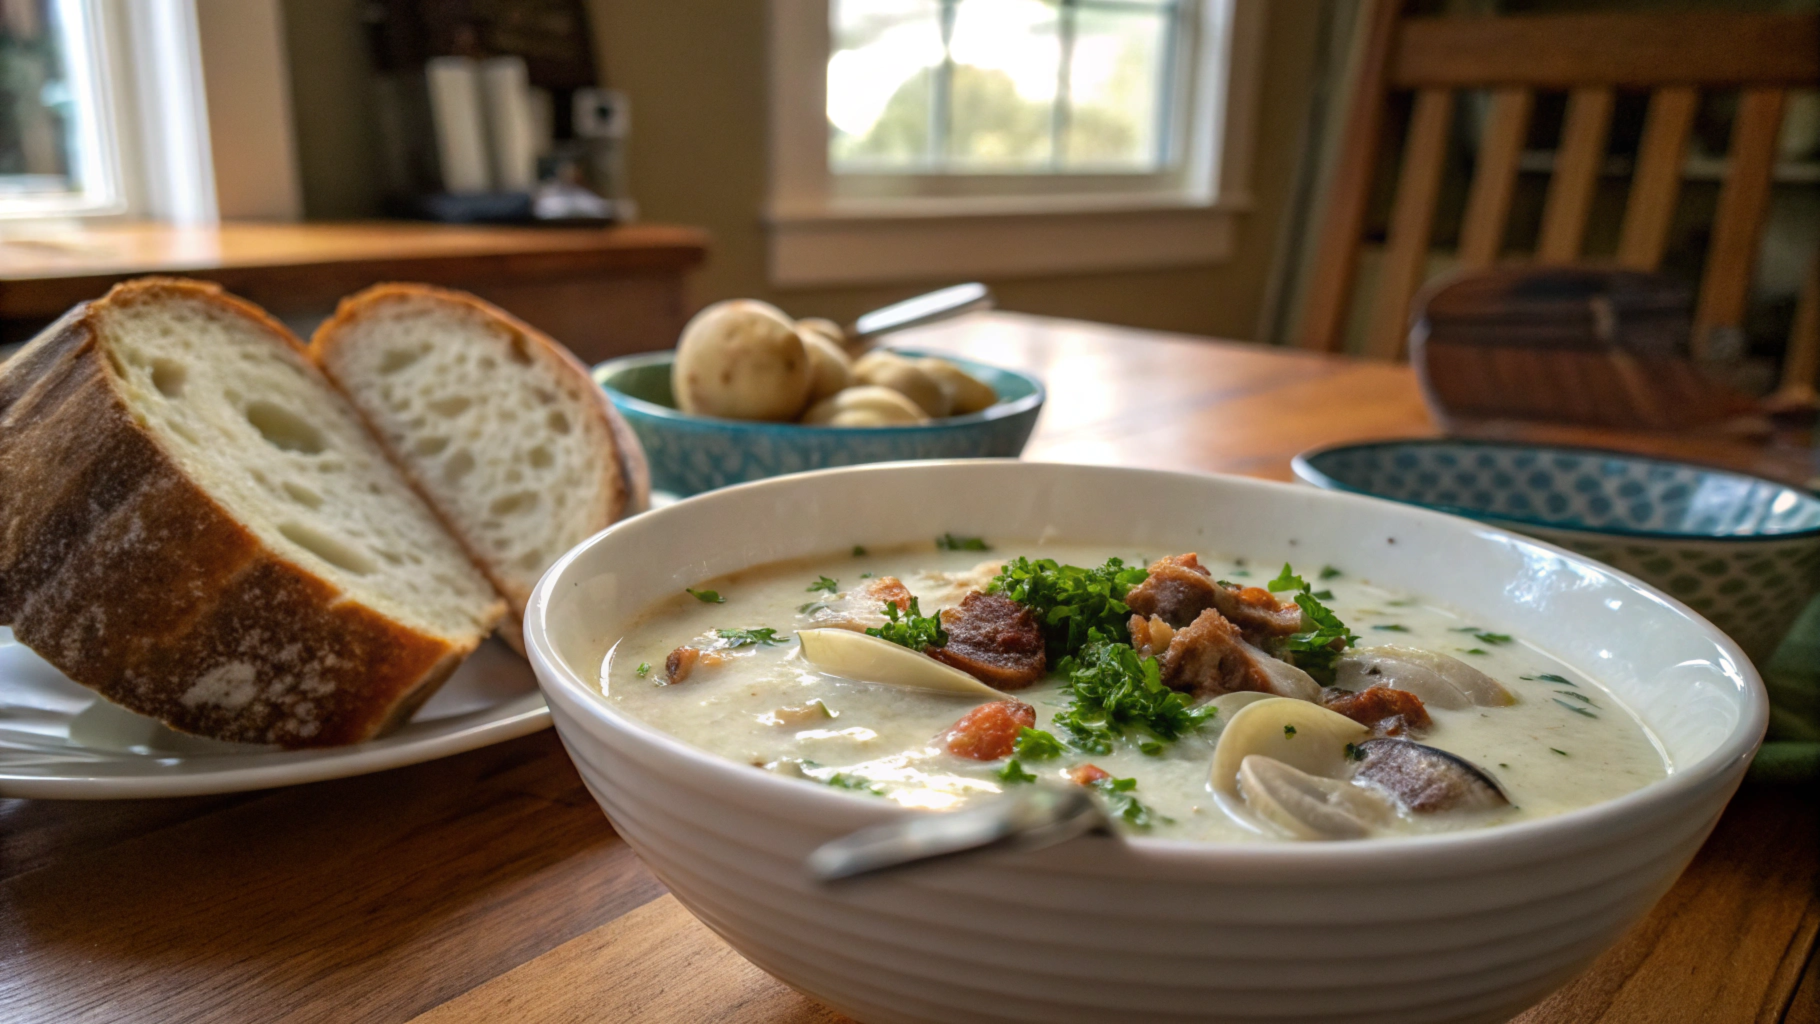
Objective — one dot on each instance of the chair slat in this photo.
(1657, 182)
(1801, 367)
(1411, 219)
(1495, 177)
(1576, 177)
(1337, 247)
(1738, 222)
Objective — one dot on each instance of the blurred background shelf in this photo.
(557, 279)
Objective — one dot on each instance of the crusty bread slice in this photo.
(196, 524)
(501, 428)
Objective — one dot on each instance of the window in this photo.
(959, 86)
(944, 138)
(104, 112)
(57, 152)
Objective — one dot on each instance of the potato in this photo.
(826, 328)
(888, 369)
(741, 359)
(829, 368)
(865, 406)
(969, 393)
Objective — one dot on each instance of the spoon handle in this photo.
(1028, 818)
(923, 309)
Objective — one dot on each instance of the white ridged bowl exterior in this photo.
(1469, 926)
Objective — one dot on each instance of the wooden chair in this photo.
(1591, 57)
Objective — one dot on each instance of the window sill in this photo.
(854, 242)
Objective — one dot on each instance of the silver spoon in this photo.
(1026, 818)
(927, 308)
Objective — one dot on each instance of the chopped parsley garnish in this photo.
(1550, 677)
(1474, 650)
(865, 575)
(706, 596)
(748, 637)
(857, 783)
(858, 552)
(1392, 627)
(1116, 692)
(1354, 752)
(1038, 744)
(1581, 697)
(1558, 750)
(911, 629)
(1317, 647)
(1289, 732)
(1483, 636)
(643, 669)
(1575, 708)
(1329, 572)
(812, 606)
(1244, 574)
(1071, 603)
(949, 542)
(1014, 773)
(1402, 602)
(1323, 595)
(824, 584)
(1123, 805)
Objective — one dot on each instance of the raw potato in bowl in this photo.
(741, 360)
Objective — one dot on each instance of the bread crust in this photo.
(627, 474)
(134, 581)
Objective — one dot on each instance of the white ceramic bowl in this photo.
(1470, 926)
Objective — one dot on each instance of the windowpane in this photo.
(1006, 86)
(38, 120)
(1117, 82)
(881, 82)
(1007, 57)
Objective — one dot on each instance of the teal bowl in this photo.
(691, 454)
(1742, 551)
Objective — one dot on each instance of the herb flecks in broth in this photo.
(1136, 700)
(705, 596)
(949, 542)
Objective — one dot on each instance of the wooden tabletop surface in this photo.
(489, 887)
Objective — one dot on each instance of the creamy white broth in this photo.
(763, 705)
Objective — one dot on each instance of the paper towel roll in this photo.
(455, 110)
(511, 128)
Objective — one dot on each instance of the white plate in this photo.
(59, 740)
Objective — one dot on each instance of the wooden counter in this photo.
(601, 291)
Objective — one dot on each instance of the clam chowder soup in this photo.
(1202, 696)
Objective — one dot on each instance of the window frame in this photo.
(829, 229)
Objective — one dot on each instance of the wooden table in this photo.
(489, 887)
(562, 280)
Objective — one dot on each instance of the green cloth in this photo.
(1792, 676)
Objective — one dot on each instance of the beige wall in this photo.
(696, 72)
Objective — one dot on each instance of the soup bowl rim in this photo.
(1725, 761)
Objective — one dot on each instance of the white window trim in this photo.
(172, 79)
(816, 237)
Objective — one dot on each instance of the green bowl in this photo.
(691, 454)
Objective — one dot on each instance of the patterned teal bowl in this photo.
(1742, 551)
(691, 454)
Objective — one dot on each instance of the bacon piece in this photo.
(1210, 656)
(989, 731)
(993, 639)
(680, 663)
(1179, 589)
(1388, 712)
(1088, 774)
